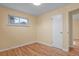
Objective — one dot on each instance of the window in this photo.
(18, 21)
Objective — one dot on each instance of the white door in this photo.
(57, 25)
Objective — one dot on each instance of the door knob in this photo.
(61, 32)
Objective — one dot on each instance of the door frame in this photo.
(71, 27)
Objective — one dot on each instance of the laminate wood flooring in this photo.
(37, 49)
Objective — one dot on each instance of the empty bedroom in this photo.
(39, 29)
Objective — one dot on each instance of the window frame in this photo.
(27, 24)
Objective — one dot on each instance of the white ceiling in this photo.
(32, 9)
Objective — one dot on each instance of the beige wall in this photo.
(75, 29)
(40, 31)
(75, 24)
(13, 36)
(44, 27)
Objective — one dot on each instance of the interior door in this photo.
(57, 22)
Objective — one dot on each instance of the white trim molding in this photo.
(44, 43)
(50, 45)
(13, 47)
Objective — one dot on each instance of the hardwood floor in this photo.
(40, 50)
(75, 51)
(34, 50)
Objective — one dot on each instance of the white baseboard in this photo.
(13, 47)
(44, 43)
(66, 50)
(52, 46)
